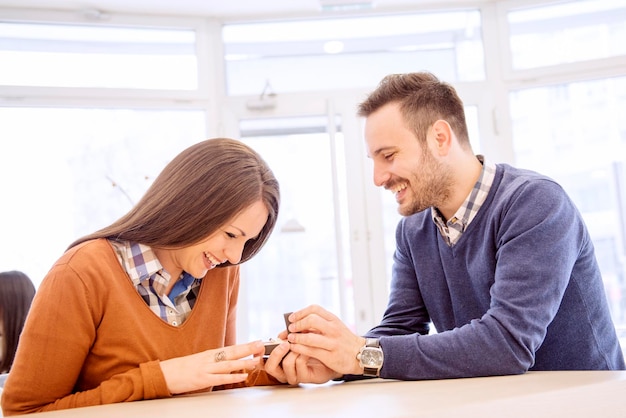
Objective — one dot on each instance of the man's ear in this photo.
(442, 134)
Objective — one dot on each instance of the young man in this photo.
(497, 258)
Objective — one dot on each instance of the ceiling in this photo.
(231, 9)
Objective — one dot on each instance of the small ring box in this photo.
(271, 345)
(274, 342)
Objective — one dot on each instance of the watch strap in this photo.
(372, 371)
(372, 342)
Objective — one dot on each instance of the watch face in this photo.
(372, 357)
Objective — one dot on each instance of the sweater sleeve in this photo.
(57, 337)
(535, 243)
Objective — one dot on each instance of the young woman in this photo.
(145, 308)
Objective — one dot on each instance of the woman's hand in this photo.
(211, 367)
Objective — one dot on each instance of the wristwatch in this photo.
(371, 357)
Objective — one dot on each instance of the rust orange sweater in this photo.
(90, 339)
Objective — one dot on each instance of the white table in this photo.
(534, 394)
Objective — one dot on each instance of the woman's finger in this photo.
(229, 366)
(234, 352)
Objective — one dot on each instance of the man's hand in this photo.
(315, 333)
(292, 368)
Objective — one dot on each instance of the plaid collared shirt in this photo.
(150, 279)
(457, 224)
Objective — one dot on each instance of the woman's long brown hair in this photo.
(200, 190)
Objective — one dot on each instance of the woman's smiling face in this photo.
(226, 244)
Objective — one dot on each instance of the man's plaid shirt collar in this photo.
(455, 226)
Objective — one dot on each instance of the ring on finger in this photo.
(220, 356)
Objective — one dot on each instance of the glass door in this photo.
(305, 260)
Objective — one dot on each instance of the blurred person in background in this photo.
(16, 294)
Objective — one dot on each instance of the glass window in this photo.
(306, 260)
(58, 55)
(576, 134)
(567, 32)
(67, 172)
(344, 53)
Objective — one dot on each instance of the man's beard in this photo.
(430, 186)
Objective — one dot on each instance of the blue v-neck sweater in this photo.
(521, 290)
